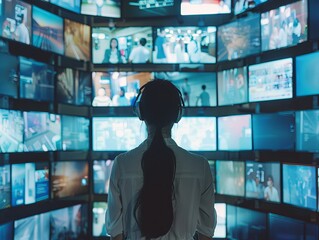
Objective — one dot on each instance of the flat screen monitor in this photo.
(70, 223)
(9, 75)
(239, 39)
(271, 80)
(307, 130)
(11, 129)
(203, 129)
(65, 79)
(30, 183)
(83, 88)
(284, 26)
(281, 227)
(263, 181)
(72, 5)
(117, 133)
(47, 31)
(6, 231)
(230, 178)
(242, 5)
(5, 187)
(198, 89)
(36, 80)
(307, 74)
(312, 231)
(77, 39)
(275, 131)
(42, 132)
(69, 179)
(33, 228)
(299, 186)
(184, 45)
(235, 133)
(122, 45)
(232, 86)
(16, 21)
(155, 8)
(101, 176)
(117, 88)
(110, 9)
(220, 230)
(98, 214)
(190, 7)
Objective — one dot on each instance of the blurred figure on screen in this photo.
(204, 97)
(140, 54)
(194, 51)
(113, 55)
(102, 100)
(179, 50)
(251, 187)
(186, 91)
(120, 99)
(99, 6)
(271, 193)
(22, 32)
(160, 44)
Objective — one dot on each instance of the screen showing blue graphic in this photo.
(72, 5)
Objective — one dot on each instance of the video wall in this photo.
(250, 88)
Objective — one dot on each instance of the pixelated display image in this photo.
(101, 176)
(10, 76)
(102, 8)
(203, 129)
(191, 7)
(284, 26)
(5, 187)
(299, 186)
(72, 5)
(184, 45)
(230, 178)
(99, 229)
(42, 132)
(117, 133)
(235, 133)
(271, 80)
(263, 181)
(69, 179)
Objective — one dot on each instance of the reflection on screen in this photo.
(184, 45)
(203, 129)
(101, 176)
(242, 5)
(190, 7)
(117, 133)
(9, 75)
(99, 229)
(234, 132)
(137, 8)
(110, 9)
(5, 187)
(299, 186)
(220, 230)
(69, 179)
(270, 80)
(72, 5)
(263, 181)
(307, 124)
(42, 132)
(230, 178)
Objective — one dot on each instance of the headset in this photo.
(137, 109)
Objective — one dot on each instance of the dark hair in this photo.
(143, 41)
(160, 105)
(204, 87)
(270, 177)
(117, 43)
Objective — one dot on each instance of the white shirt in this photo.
(272, 193)
(194, 195)
(139, 54)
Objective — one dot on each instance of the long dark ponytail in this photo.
(160, 106)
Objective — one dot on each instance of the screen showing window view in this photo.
(77, 40)
(274, 131)
(101, 176)
(299, 186)
(117, 133)
(198, 89)
(36, 80)
(184, 45)
(102, 8)
(239, 39)
(98, 211)
(263, 181)
(235, 133)
(5, 186)
(117, 88)
(9, 75)
(203, 129)
(11, 129)
(307, 74)
(230, 178)
(271, 80)
(307, 125)
(72, 5)
(243, 5)
(16, 21)
(42, 132)
(122, 45)
(232, 86)
(154, 8)
(75, 133)
(284, 26)
(191, 7)
(47, 31)
(69, 179)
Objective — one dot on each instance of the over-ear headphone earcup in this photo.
(179, 115)
(138, 111)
